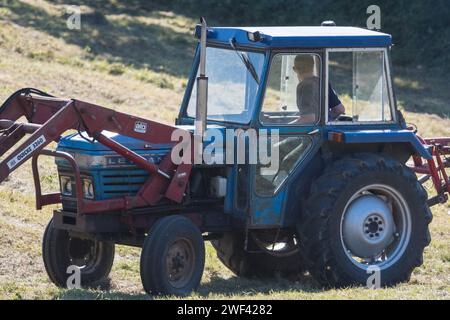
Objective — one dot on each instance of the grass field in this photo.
(139, 64)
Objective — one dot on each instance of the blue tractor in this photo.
(341, 200)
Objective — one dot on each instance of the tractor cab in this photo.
(285, 76)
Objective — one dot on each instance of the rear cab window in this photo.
(359, 79)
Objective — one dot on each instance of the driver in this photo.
(308, 93)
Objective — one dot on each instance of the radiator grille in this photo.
(117, 183)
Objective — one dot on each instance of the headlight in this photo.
(88, 189)
(66, 185)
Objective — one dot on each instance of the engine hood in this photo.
(93, 156)
(77, 142)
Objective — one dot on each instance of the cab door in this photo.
(291, 111)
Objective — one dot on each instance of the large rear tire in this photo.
(60, 250)
(365, 213)
(231, 252)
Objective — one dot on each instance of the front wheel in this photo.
(365, 213)
(173, 257)
(60, 251)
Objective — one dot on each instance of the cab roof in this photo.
(300, 37)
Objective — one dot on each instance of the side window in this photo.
(292, 94)
(291, 149)
(358, 78)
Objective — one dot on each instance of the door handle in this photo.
(314, 132)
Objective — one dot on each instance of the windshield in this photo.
(231, 86)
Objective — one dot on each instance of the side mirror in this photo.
(254, 36)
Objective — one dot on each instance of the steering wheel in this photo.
(344, 118)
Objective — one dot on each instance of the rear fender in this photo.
(386, 140)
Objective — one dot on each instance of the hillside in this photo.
(135, 57)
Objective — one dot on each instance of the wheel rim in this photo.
(84, 253)
(376, 227)
(180, 262)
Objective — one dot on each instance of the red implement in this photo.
(435, 168)
(49, 117)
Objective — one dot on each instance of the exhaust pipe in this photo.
(202, 98)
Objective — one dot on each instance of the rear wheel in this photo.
(366, 212)
(60, 250)
(173, 257)
(265, 259)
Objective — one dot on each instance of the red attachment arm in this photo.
(435, 168)
(48, 118)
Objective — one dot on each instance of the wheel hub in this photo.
(368, 226)
(374, 226)
(180, 262)
(82, 252)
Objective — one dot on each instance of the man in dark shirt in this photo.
(308, 92)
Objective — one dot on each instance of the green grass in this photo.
(138, 63)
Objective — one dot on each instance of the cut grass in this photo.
(140, 67)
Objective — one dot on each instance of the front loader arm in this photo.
(49, 117)
(51, 130)
(36, 110)
(21, 104)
